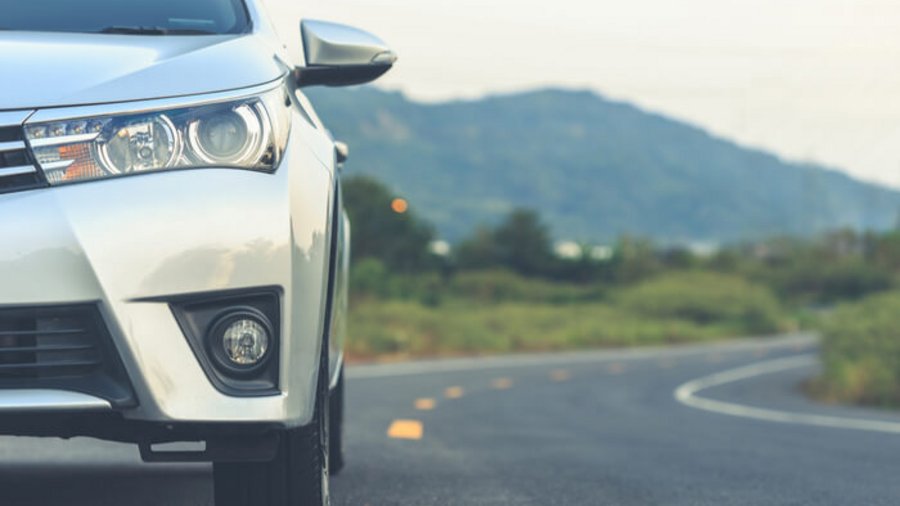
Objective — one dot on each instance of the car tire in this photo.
(299, 473)
(336, 431)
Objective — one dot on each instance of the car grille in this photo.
(61, 348)
(17, 169)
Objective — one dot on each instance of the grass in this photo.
(491, 313)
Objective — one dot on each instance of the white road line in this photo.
(581, 357)
(687, 395)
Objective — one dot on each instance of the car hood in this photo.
(59, 69)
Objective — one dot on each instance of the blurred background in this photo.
(602, 173)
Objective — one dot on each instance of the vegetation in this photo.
(401, 329)
(504, 289)
(861, 352)
(521, 243)
(707, 299)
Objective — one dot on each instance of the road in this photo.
(700, 425)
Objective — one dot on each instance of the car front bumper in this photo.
(129, 243)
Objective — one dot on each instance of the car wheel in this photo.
(298, 476)
(336, 431)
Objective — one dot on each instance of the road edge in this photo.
(686, 394)
(424, 367)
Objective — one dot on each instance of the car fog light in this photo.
(245, 342)
(240, 341)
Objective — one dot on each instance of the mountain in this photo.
(594, 168)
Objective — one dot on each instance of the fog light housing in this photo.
(240, 341)
(206, 317)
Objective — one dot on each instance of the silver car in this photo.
(174, 248)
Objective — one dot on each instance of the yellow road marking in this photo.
(454, 392)
(560, 375)
(425, 404)
(616, 368)
(405, 429)
(502, 383)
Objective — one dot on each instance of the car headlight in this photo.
(248, 133)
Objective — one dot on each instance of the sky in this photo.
(810, 80)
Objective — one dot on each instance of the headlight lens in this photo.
(249, 133)
(146, 144)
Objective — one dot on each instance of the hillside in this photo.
(594, 168)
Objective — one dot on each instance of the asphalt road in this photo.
(717, 425)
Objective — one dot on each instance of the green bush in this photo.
(706, 298)
(861, 352)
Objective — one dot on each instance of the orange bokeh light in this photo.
(399, 205)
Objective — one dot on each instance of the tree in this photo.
(385, 228)
(524, 243)
(521, 243)
(478, 251)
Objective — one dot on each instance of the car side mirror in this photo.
(339, 55)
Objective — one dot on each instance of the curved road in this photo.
(715, 424)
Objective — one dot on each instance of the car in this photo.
(173, 268)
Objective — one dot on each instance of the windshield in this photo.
(156, 17)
